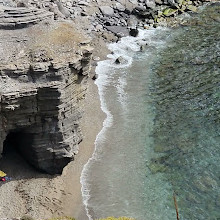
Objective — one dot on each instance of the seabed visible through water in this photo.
(161, 134)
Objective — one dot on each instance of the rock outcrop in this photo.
(44, 64)
(11, 18)
(43, 72)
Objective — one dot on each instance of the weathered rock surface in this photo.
(90, 13)
(107, 10)
(43, 72)
(20, 17)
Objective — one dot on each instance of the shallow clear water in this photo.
(161, 134)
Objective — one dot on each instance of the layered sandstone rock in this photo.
(43, 72)
(20, 17)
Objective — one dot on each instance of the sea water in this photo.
(161, 136)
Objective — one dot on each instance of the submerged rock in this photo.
(133, 32)
(157, 168)
(120, 60)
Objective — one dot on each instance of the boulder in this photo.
(150, 4)
(120, 60)
(118, 30)
(133, 32)
(62, 9)
(106, 10)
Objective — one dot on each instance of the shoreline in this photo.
(45, 196)
(91, 126)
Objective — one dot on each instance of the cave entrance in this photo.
(17, 141)
(15, 153)
(11, 143)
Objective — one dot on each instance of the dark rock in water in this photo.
(133, 32)
(143, 47)
(95, 76)
(120, 60)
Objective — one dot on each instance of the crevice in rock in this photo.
(18, 142)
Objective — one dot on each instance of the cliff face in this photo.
(43, 72)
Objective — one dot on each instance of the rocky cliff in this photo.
(44, 63)
(43, 70)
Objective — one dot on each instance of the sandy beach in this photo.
(43, 196)
(40, 195)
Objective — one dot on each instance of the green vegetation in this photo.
(169, 11)
(178, 8)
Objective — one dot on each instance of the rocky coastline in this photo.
(48, 54)
(38, 70)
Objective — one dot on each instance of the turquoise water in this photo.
(161, 134)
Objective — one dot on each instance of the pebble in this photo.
(96, 58)
(98, 27)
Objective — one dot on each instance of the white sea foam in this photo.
(101, 82)
(125, 48)
(122, 97)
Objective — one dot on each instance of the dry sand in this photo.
(44, 196)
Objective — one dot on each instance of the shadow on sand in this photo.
(16, 167)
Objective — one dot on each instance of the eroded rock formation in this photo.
(20, 17)
(43, 72)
